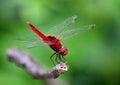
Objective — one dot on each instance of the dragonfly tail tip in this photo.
(28, 22)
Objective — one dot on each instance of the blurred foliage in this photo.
(94, 56)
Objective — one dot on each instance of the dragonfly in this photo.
(62, 32)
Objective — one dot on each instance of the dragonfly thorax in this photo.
(56, 45)
(53, 40)
(63, 51)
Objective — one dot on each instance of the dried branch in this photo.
(25, 61)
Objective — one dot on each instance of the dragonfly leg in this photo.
(56, 58)
(61, 58)
(51, 58)
(64, 59)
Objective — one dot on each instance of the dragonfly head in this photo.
(63, 51)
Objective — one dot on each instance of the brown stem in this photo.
(25, 61)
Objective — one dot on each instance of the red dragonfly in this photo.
(54, 42)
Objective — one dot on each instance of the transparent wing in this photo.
(69, 33)
(33, 41)
(28, 38)
(57, 30)
(35, 44)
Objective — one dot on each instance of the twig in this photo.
(25, 61)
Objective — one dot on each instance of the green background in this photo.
(94, 55)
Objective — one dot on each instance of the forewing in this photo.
(70, 33)
(57, 30)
